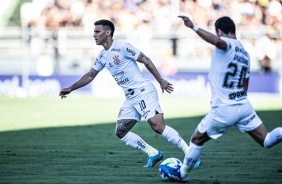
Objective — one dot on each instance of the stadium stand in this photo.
(63, 30)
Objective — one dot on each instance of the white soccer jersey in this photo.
(120, 60)
(228, 70)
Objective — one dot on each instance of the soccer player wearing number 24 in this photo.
(228, 77)
(141, 95)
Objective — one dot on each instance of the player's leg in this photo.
(131, 139)
(212, 126)
(266, 139)
(148, 106)
(252, 124)
(158, 125)
(191, 157)
(127, 118)
(194, 152)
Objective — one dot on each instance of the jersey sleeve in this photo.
(228, 43)
(130, 51)
(98, 65)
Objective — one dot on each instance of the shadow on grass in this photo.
(93, 154)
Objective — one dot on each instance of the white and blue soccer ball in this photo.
(167, 165)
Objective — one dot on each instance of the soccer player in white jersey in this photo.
(141, 96)
(228, 77)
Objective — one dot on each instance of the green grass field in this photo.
(49, 140)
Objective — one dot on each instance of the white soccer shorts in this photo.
(219, 119)
(145, 105)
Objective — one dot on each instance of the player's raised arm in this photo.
(86, 79)
(207, 36)
(165, 85)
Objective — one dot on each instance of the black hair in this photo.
(107, 25)
(226, 25)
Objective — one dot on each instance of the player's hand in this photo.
(187, 21)
(166, 86)
(64, 92)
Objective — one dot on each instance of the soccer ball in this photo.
(167, 165)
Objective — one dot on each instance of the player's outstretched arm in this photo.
(207, 36)
(86, 79)
(165, 85)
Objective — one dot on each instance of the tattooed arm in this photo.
(86, 79)
(165, 85)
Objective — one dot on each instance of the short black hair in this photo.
(226, 25)
(107, 25)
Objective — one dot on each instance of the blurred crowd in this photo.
(128, 14)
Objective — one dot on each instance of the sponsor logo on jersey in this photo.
(122, 81)
(101, 56)
(145, 114)
(115, 50)
(238, 95)
(248, 120)
(131, 51)
(111, 65)
(116, 60)
(117, 74)
(129, 92)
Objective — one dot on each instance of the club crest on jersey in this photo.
(116, 60)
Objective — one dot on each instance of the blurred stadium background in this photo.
(46, 45)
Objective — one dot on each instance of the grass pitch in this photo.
(48, 140)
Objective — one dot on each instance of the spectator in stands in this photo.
(61, 13)
(266, 51)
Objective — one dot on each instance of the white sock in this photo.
(273, 137)
(134, 141)
(172, 136)
(191, 157)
